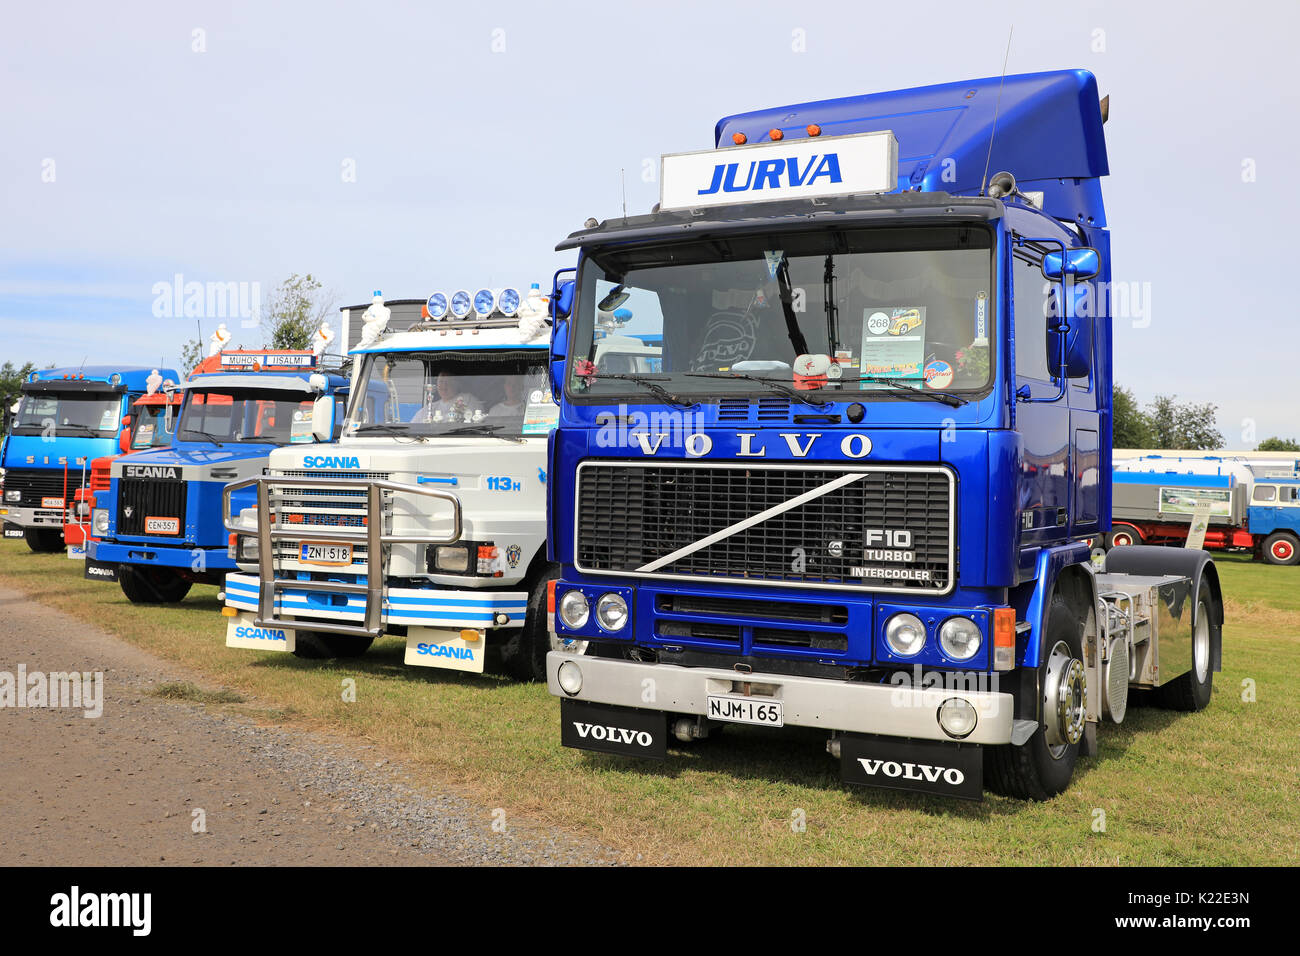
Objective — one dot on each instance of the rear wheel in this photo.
(43, 541)
(318, 645)
(1041, 768)
(1281, 548)
(1191, 691)
(152, 585)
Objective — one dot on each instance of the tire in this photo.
(320, 646)
(1191, 692)
(1040, 769)
(1281, 548)
(523, 653)
(1123, 536)
(152, 585)
(44, 541)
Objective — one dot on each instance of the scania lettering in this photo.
(400, 527)
(868, 430)
(66, 419)
(158, 527)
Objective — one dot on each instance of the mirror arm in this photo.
(1061, 381)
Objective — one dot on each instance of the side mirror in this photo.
(322, 418)
(1078, 340)
(559, 353)
(561, 296)
(124, 436)
(1081, 263)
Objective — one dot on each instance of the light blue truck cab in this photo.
(847, 475)
(67, 417)
(159, 530)
(426, 520)
(1273, 519)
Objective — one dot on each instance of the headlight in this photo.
(452, 558)
(14, 494)
(905, 634)
(960, 638)
(574, 609)
(249, 548)
(82, 509)
(611, 612)
(99, 519)
(957, 717)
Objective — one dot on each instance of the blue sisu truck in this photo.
(159, 530)
(849, 478)
(66, 418)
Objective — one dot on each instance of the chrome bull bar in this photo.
(372, 535)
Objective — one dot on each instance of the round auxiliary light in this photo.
(611, 612)
(905, 634)
(508, 301)
(957, 717)
(485, 302)
(115, 379)
(461, 303)
(569, 677)
(960, 638)
(574, 609)
(437, 305)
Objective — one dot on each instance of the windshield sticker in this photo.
(300, 430)
(108, 421)
(981, 320)
(774, 258)
(893, 342)
(143, 436)
(938, 374)
(540, 418)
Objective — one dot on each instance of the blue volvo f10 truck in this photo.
(67, 417)
(159, 528)
(835, 434)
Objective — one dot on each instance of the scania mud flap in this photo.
(12, 530)
(99, 570)
(921, 766)
(614, 730)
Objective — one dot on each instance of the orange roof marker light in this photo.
(814, 129)
(776, 135)
(740, 139)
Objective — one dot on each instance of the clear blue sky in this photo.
(472, 161)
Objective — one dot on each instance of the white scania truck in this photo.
(427, 518)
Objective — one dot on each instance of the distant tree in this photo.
(295, 312)
(1183, 427)
(1279, 444)
(11, 381)
(191, 355)
(1131, 427)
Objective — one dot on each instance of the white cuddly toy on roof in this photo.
(534, 315)
(375, 320)
(322, 339)
(219, 339)
(153, 382)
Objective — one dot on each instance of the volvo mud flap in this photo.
(921, 766)
(614, 730)
(99, 570)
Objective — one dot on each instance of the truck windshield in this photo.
(500, 392)
(56, 413)
(149, 429)
(910, 306)
(246, 416)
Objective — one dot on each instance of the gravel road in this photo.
(123, 788)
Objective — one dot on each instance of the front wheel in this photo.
(152, 585)
(43, 541)
(523, 653)
(1121, 536)
(1280, 548)
(319, 645)
(1041, 768)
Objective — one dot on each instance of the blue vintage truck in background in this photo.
(159, 528)
(67, 417)
(835, 434)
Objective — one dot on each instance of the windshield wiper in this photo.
(651, 384)
(210, 437)
(488, 430)
(400, 428)
(773, 384)
(955, 401)
(84, 429)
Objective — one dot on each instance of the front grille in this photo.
(141, 498)
(322, 508)
(741, 607)
(38, 483)
(631, 515)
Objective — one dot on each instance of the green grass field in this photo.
(1217, 787)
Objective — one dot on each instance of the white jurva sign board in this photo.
(795, 169)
